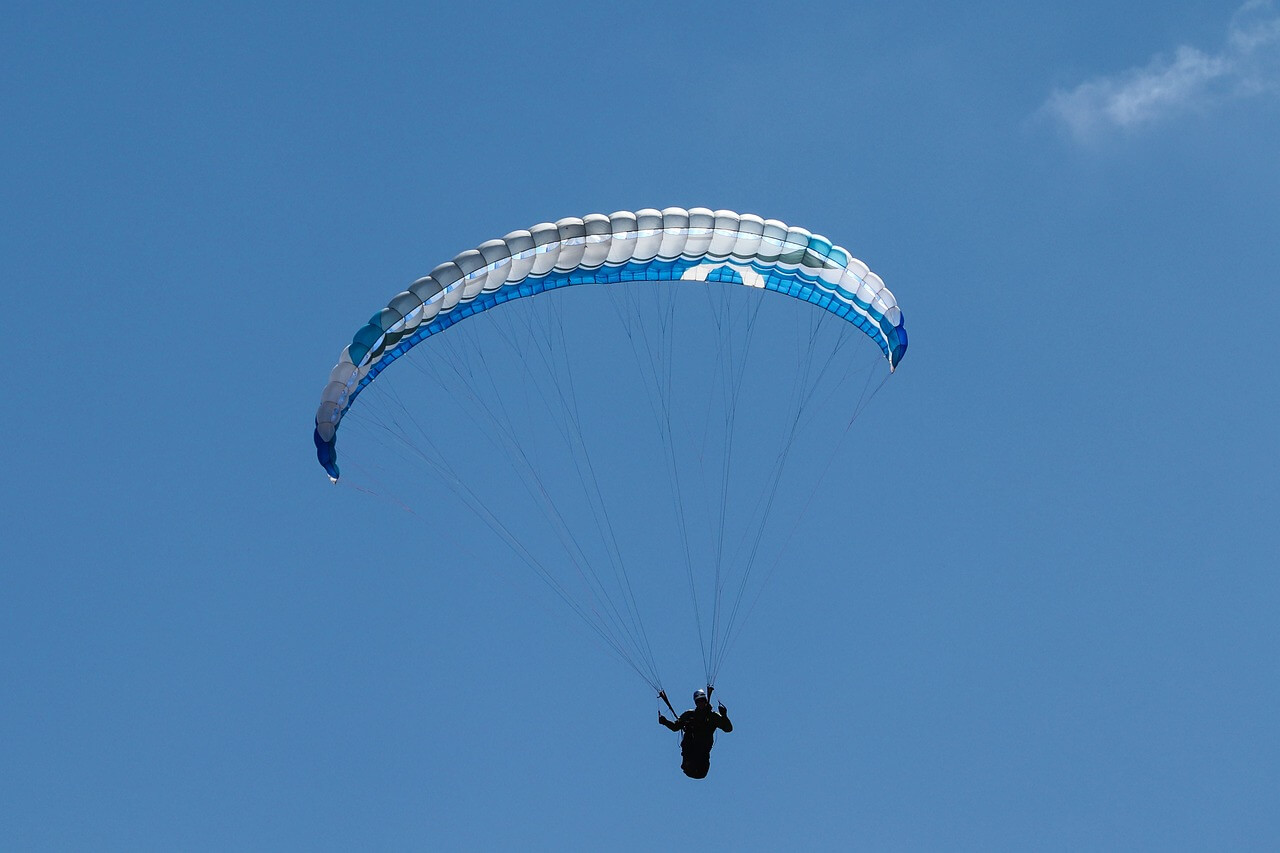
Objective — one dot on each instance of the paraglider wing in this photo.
(648, 245)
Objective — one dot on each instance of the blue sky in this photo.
(1058, 628)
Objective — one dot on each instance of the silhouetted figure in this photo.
(698, 727)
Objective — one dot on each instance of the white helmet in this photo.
(699, 694)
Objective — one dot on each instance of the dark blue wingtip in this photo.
(899, 346)
(327, 454)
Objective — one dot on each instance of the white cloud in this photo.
(1190, 81)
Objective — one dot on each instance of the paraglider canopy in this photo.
(649, 245)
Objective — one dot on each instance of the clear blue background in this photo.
(1064, 635)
